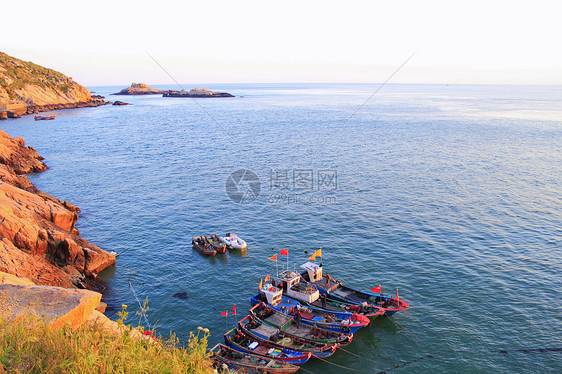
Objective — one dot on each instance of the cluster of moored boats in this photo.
(296, 316)
(212, 244)
(44, 118)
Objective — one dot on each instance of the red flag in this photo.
(376, 289)
(224, 313)
(234, 309)
(284, 252)
(267, 278)
(273, 258)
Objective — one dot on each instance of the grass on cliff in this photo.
(22, 73)
(28, 345)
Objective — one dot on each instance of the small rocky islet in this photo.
(143, 89)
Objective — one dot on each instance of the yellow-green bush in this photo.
(28, 345)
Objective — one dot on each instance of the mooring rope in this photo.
(141, 309)
(404, 363)
(356, 355)
(413, 335)
(331, 363)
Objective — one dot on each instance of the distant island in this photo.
(27, 88)
(196, 92)
(140, 89)
(143, 89)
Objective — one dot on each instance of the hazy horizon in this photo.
(317, 41)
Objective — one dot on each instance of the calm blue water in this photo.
(451, 194)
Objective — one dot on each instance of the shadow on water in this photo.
(238, 252)
(108, 273)
(219, 257)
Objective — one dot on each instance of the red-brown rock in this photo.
(38, 238)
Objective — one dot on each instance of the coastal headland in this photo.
(27, 88)
(38, 237)
(48, 272)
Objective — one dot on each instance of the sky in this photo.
(110, 42)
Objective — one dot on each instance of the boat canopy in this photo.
(314, 271)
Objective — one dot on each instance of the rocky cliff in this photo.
(38, 238)
(26, 88)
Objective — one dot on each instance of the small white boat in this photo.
(233, 241)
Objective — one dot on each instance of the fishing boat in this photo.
(245, 343)
(44, 118)
(233, 241)
(203, 246)
(336, 305)
(337, 291)
(291, 285)
(294, 287)
(216, 243)
(262, 331)
(226, 359)
(287, 325)
(334, 321)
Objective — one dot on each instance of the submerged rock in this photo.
(181, 295)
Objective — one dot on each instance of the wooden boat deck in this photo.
(278, 319)
(303, 332)
(265, 330)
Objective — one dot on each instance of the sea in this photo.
(449, 195)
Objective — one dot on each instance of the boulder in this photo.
(60, 306)
(120, 103)
(21, 159)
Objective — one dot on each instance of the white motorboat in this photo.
(233, 241)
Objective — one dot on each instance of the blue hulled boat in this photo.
(343, 322)
(262, 331)
(294, 287)
(248, 344)
(337, 291)
(286, 324)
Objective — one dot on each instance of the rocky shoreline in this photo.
(38, 237)
(34, 109)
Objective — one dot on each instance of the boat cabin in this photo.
(290, 283)
(313, 270)
(272, 294)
